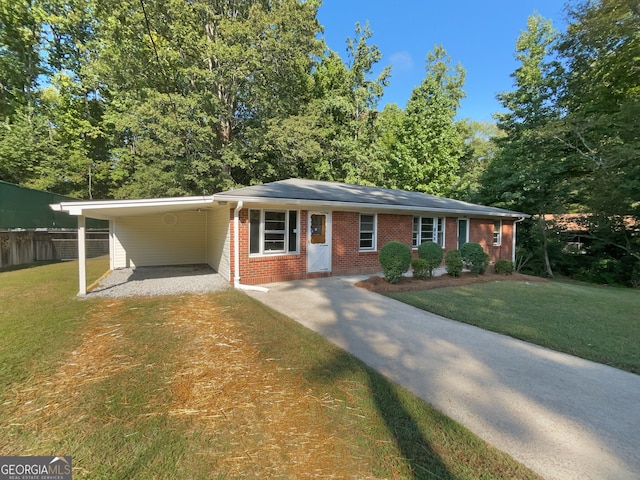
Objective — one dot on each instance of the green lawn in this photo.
(38, 320)
(593, 322)
(209, 386)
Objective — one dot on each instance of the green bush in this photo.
(485, 265)
(504, 267)
(453, 263)
(420, 268)
(474, 256)
(395, 258)
(432, 253)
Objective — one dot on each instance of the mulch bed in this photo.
(408, 284)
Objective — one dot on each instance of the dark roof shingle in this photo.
(335, 192)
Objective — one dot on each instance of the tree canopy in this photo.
(133, 98)
(571, 142)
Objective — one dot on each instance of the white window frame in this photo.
(374, 233)
(497, 235)
(439, 230)
(263, 232)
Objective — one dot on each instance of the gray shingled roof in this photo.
(343, 194)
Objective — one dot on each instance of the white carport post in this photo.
(82, 257)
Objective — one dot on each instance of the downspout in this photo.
(236, 253)
(513, 250)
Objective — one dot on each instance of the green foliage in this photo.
(475, 257)
(602, 99)
(21, 39)
(504, 267)
(480, 149)
(122, 98)
(395, 258)
(420, 268)
(432, 253)
(332, 135)
(607, 253)
(453, 263)
(430, 144)
(571, 134)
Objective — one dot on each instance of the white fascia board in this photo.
(83, 207)
(351, 206)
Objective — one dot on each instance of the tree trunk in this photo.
(545, 245)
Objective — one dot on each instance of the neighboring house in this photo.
(291, 229)
(575, 229)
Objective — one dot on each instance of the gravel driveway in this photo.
(149, 281)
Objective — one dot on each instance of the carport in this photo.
(155, 232)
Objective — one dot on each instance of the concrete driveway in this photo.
(563, 417)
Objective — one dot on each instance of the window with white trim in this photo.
(428, 229)
(367, 231)
(273, 231)
(497, 232)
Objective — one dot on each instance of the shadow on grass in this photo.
(401, 425)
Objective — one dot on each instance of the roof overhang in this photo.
(364, 207)
(109, 209)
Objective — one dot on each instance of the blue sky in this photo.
(481, 35)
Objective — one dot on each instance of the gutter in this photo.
(236, 253)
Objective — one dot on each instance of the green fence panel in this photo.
(28, 209)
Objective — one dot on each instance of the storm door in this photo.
(319, 242)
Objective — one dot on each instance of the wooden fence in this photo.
(27, 246)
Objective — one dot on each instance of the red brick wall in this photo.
(346, 257)
(505, 251)
(451, 234)
(481, 231)
(268, 268)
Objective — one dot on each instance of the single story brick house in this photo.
(288, 230)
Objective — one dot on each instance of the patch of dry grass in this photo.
(274, 424)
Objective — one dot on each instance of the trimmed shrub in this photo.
(432, 253)
(395, 258)
(453, 263)
(474, 256)
(485, 265)
(421, 268)
(504, 267)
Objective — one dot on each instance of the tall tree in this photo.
(479, 151)
(529, 171)
(75, 105)
(332, 134)
(21, 36)
(602, 100)
(190, 85)
(430, 143)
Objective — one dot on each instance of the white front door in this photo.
(319, 242)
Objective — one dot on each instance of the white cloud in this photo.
(402, 61)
